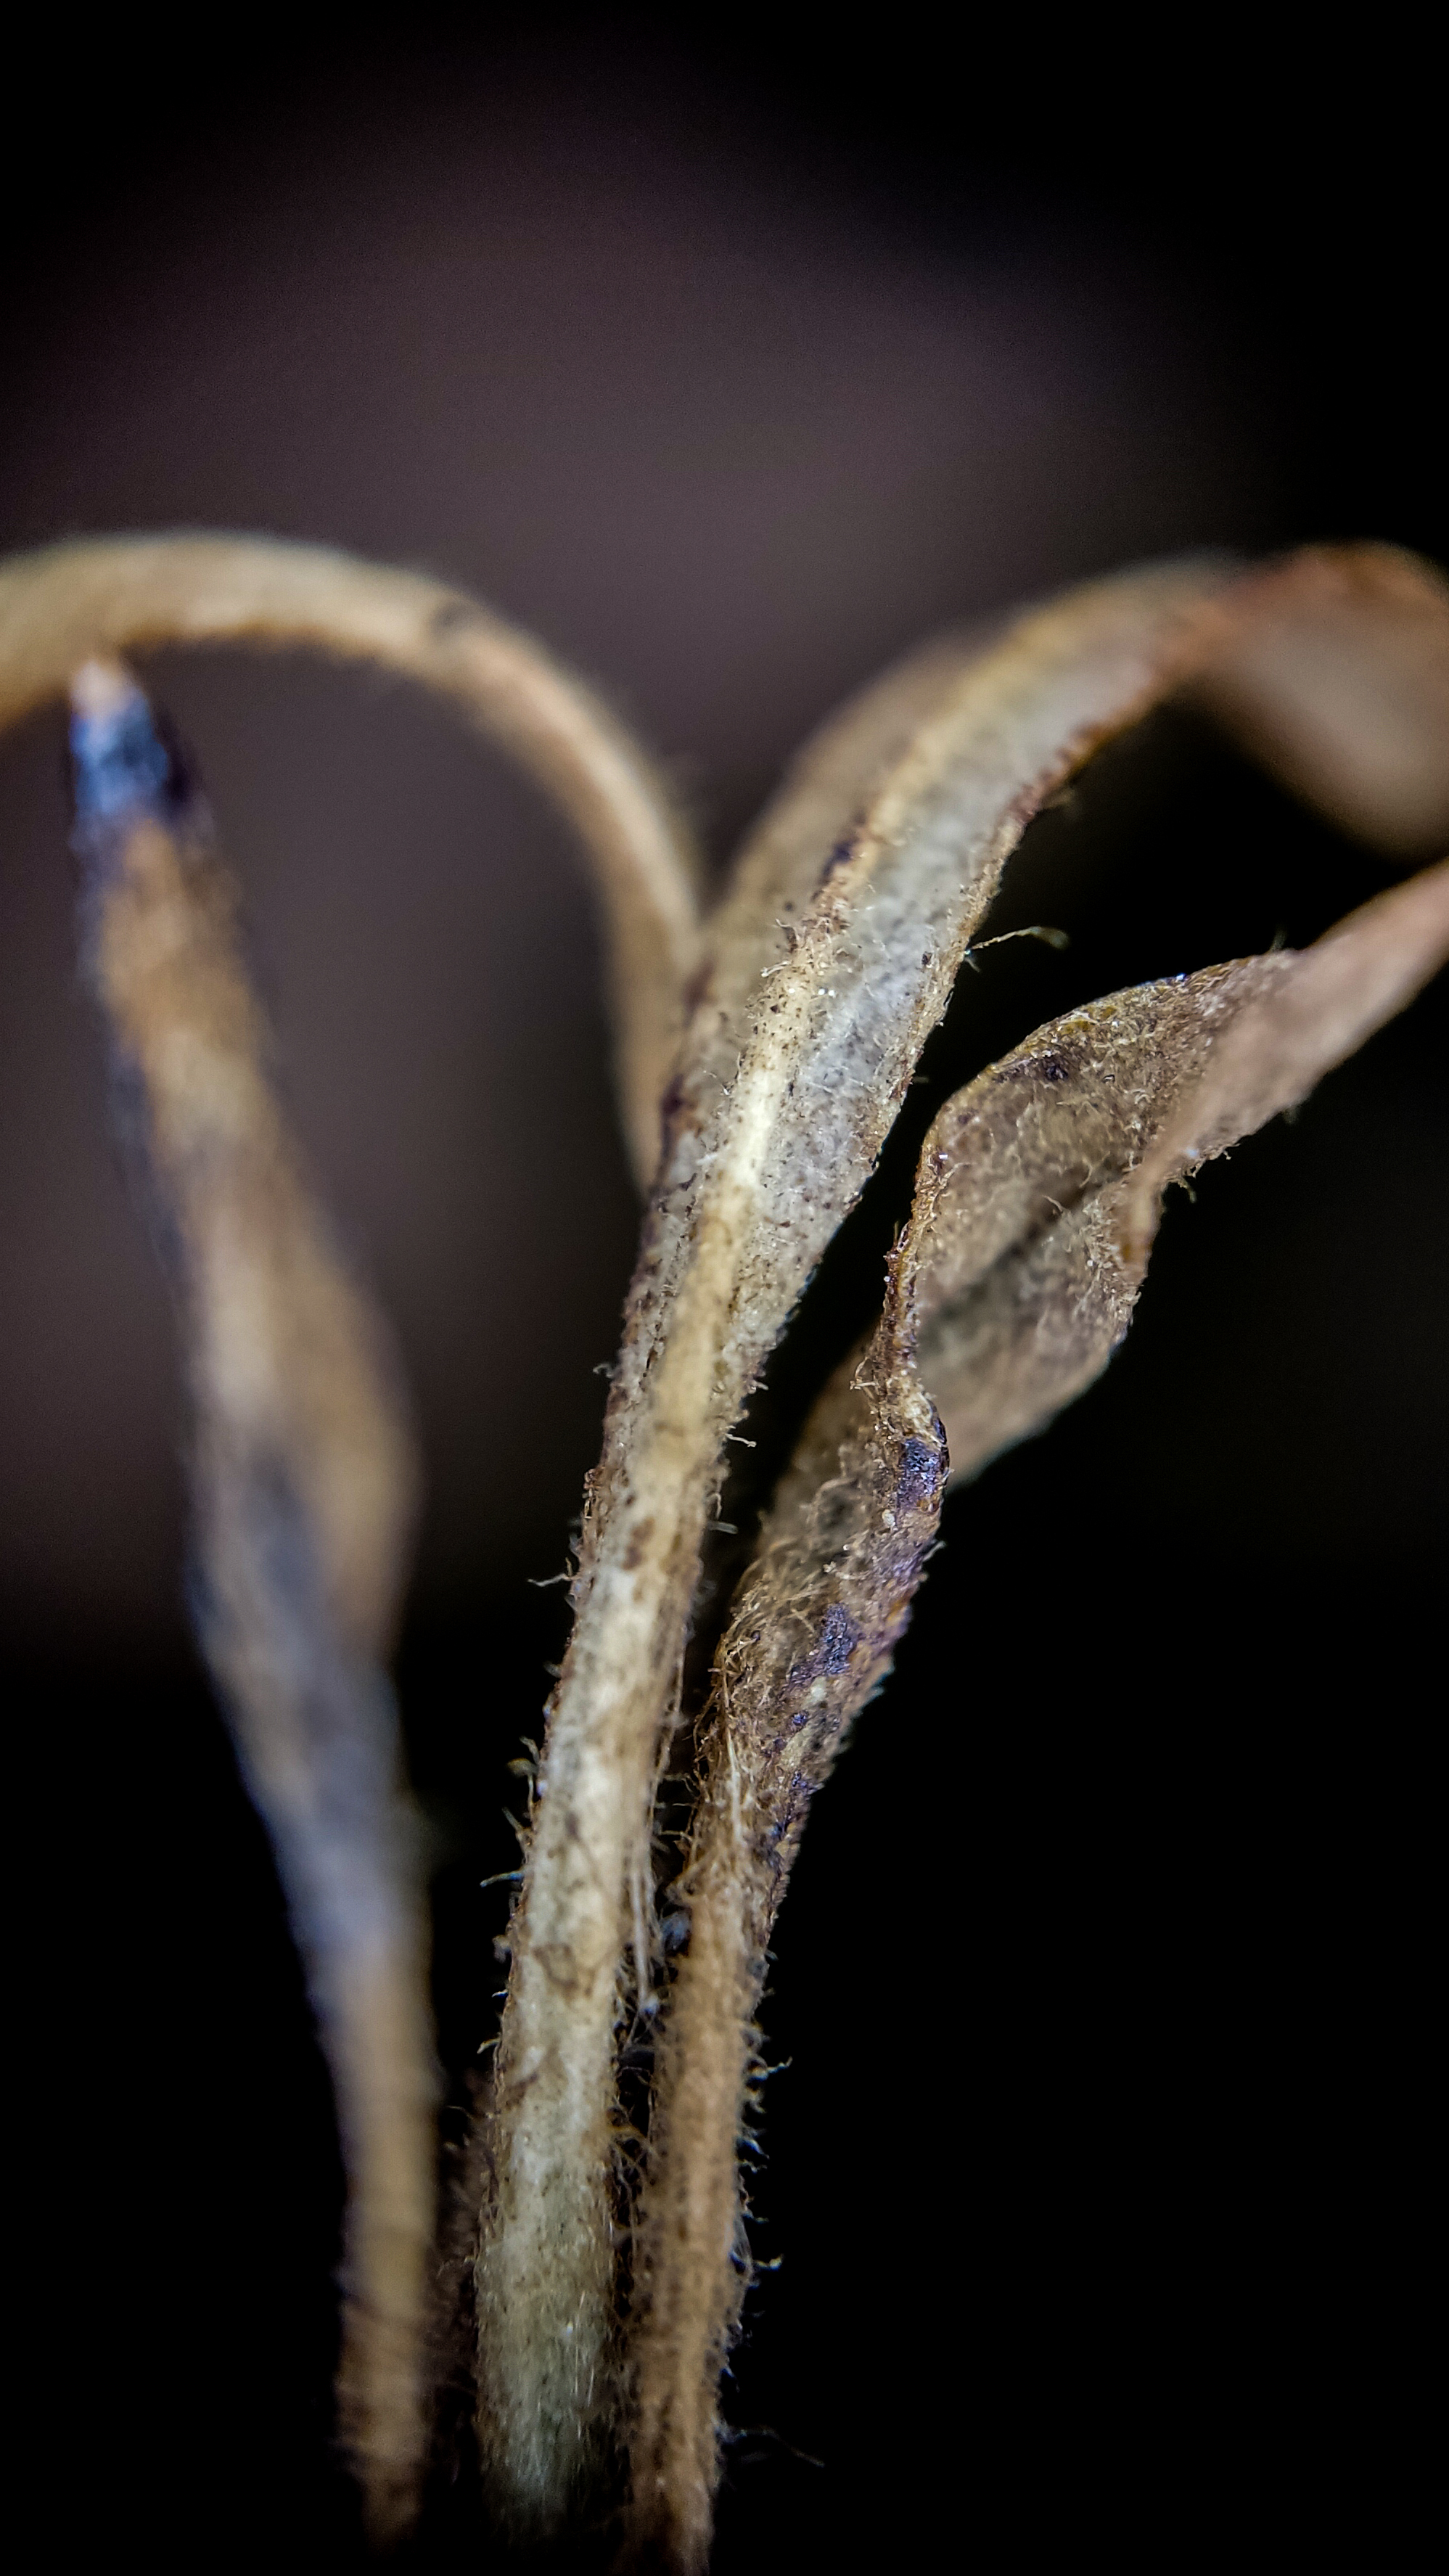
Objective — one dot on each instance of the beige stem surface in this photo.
(1015, 1280)
(122, 594)
(811, 1638)
(831, 958)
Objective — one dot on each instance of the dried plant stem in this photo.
(796, 1062)
(999, 1298)
(691, 2254)
(67, 602)
(303, 1485)
(830, 960)
(1010, 1169)
(1016, 1278)
(810, 1640)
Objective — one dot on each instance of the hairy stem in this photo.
(810, 1640)
(1016, 1278)
(831, 961)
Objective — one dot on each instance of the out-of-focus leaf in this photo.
(122, 594)
(303, 1489)
(1340, 685)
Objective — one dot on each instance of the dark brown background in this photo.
(731, 365)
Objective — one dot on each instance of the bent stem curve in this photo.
(66, 603)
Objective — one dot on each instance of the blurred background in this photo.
(731, 361)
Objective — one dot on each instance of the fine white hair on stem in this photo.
(830, 959)
(1015, 1279)
(303, 1486)
(832, 956)
(122, 594)
(1004, 1176)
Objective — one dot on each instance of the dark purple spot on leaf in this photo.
(920, 1473)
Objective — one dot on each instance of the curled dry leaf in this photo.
(117, 595)
(1014, 1281)
(303, 1487)
(1005, 1296)
(810, 1639)
(1340, 684)
(1024, 1292)
(1313, 1015)
(831, 958)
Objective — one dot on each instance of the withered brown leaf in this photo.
(831, 957)
(1013, 1282)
